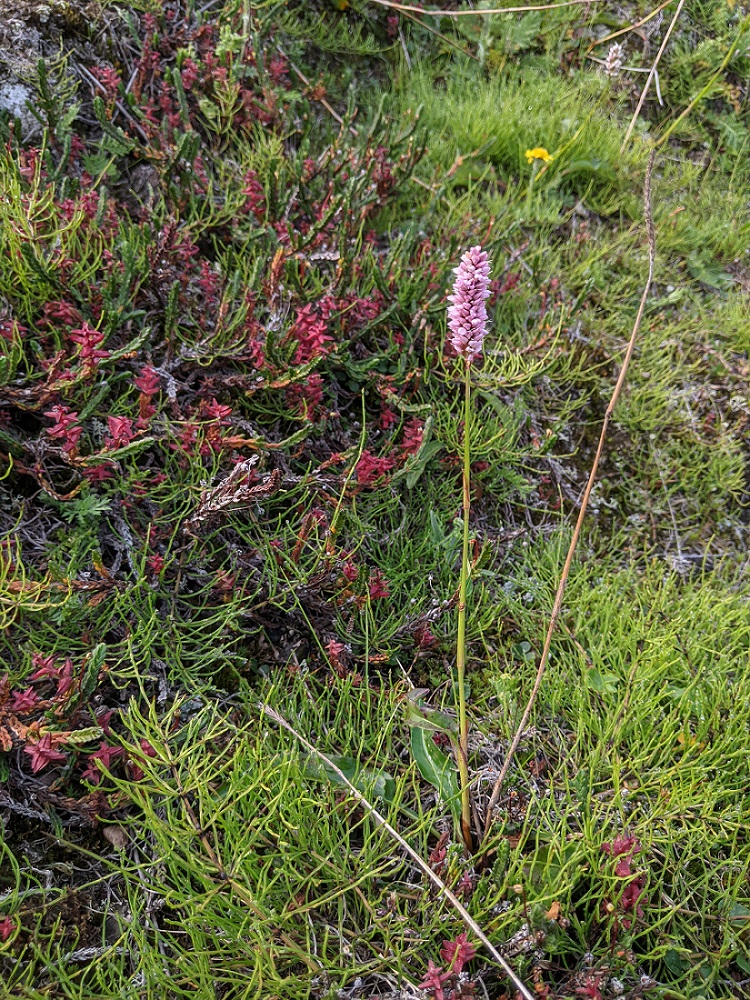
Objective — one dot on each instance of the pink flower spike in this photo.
(467, 315)
(7, 926)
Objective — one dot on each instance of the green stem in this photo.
(530, 188)
(463, 724)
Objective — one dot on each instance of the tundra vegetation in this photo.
(232, 443)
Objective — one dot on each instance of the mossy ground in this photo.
(228, 237)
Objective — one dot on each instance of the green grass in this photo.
(264, 878)
(235, 864)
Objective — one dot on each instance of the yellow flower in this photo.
(538, 153)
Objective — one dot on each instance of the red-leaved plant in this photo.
(448, 981)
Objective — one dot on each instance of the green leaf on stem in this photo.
(437, 768)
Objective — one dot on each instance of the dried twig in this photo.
(629, 69)
(301, 76)
(651, 75)
(584, 503)
(744, 26)
(435, 879)
(235, 492)
(331, 111)
(484, 12)
(434, 31)
(631, 27)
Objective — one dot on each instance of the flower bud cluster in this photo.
(467, 314)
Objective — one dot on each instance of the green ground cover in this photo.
(230, 455)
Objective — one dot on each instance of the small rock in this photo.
(117, 837)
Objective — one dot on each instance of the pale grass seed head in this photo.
(614, 60)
